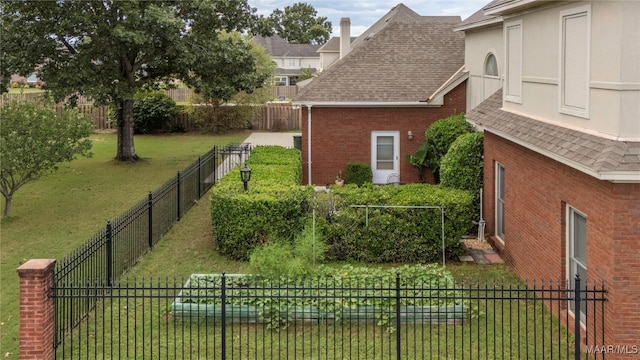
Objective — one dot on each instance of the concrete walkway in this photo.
(284, 139)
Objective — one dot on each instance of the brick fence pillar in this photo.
(36, 309)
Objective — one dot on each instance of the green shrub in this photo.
(218, 119)
(152, 111)
(397, 234)
(15, 85)
(461, 167)
(358, 173)
(440, 135)
(273, 209)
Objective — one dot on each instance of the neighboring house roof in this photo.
(333, 45)
(603, 158)
(404, 57)
(479, 18)
(279, 47)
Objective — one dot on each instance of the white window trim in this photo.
(499, 236)
(584, 113)
(569, 236)
(507, 97)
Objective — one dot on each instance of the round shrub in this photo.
(462, 166)
(152, 110)
(440, 135)
(358, 173)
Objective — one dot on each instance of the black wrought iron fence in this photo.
(228, 317)
(118, 246)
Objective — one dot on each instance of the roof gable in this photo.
(279, 47)
(403, 57)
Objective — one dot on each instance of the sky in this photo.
(364, 13)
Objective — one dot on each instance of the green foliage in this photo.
(440, 135)
(396, 234)
(298, 24)
(419, 160)
(34, 140)
(216, 119)
(305, 73)
(273, 209)
(341, 292)
(152, 111)
(108, 50)
(358, 173)
(461, 167)
(302, 256)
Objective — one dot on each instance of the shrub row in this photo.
(274, 207)
(396, 234)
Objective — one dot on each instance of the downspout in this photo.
(309, 143)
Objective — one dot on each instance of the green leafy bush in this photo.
(358, 173)
(440, 135)
(397, 234)
(273, 209)
(217, 119)
(461, 167)
(152, 111)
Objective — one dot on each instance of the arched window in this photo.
(490, 66)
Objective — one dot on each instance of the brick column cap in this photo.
(35, 267)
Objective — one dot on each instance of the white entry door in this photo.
(385, 159)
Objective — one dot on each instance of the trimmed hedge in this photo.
(440, 135)
(274, 207)
(462, 166)
(358, 173)
(392, 234)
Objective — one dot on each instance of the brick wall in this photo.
(36, 309)
(537, 192)
(343, 134)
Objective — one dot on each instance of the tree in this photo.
(34, 140)
(109, 49)
(298, 24)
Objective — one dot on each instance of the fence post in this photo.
(178, 195)
(199, 179)
(576, 315)
(109, 253)
(398, 338)
(37, 309)
(223, 297)
(150, 206)
(215, 165)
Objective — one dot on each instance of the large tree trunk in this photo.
(126, 149)
(7, 207)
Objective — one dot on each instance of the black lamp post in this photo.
(245, 176)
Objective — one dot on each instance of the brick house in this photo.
(374, 104)
(562, 143)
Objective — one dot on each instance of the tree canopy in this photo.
(299, 24)
(109, 49)
(34, 140)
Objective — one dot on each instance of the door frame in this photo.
(382, 175)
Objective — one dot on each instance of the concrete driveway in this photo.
(284, 139)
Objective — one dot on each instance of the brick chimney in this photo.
(345, 36)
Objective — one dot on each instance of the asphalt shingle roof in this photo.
(589, 151)
(277, 46)
(403, 57)
(479, 16)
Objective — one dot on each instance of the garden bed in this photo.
(250, 299)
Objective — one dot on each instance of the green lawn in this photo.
(57, 213)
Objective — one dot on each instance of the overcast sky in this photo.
(363, 13)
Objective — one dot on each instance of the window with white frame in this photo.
(500, 201)
(577, 248)
(513, 71)
(575, 33)
(491, 66)
(293, 62)
(280, 81)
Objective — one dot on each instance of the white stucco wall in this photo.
(614, 68)
(478, 44)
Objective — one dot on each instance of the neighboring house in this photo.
(335, 48)
(562, 144)
(374, 104)
(32, 80)
(290, 58)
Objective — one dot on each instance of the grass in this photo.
(60, 211)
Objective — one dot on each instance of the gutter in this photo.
(419, 103)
